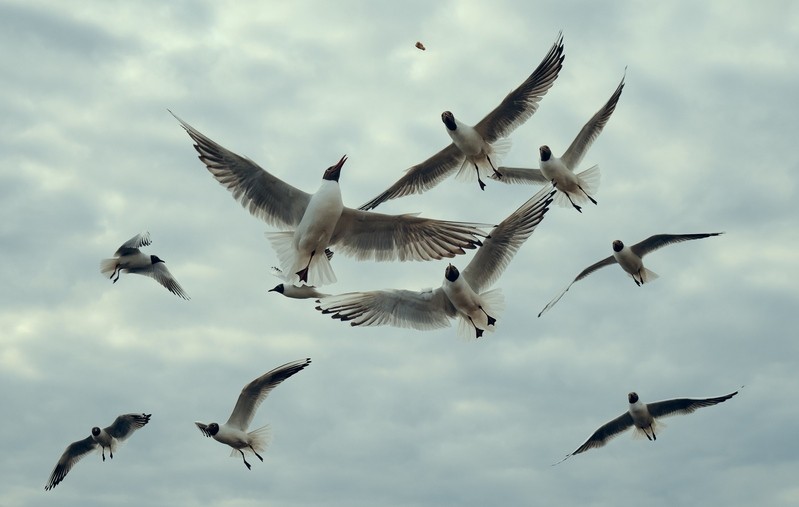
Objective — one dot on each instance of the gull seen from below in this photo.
(321, 220)
(631, 259)
(234, 431)
(472, 147)
(573, 188)
(643, 416)
(106, 438)
(460, 294)
(130, 259)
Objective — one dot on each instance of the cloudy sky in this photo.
(703, 140)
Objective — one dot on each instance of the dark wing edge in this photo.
(679, 406)
(72, 454)
(604, 434)
(124, 425)
(381, 307)
(607, 261)
(134, 244)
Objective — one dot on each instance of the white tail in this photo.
(493, 303)
(588, 180)
(320, 272)
(108, 266)
(259, 440)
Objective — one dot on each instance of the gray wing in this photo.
(591, 130)
(256, 391)
(519, 175)
(73, 453)
(520, 104)
(265, 196)
(124, 425)
(422, 176)
(607, 261)
(421, 310)
(606, 432)
(161, 274)
(133, 244)
(368, 235)
(652, 243)
(683, 405)
(504, 241)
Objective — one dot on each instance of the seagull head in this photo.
(545, 152)
(632, 397)
(95, 431)
(332, 173)
(154, 259)
(449, 120)
(278, 288)
(208, 430)
(617, 247)
(451, 273)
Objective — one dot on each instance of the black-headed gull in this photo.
(130, 259)
(106, 438)
(234, 431)
(321, 220)
(295, 291)
(460, 294)
(573, 188)
(472, 147)
(643, 416)
(630, 258)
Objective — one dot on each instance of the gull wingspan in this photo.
(519, 175)
(652, 243)
(133, 244)
(254, 393)
(73, 453)
(124, 425)
(375, 236)
(606, 432)
(607, 261)
(264, 195)
(683, 405)
(591, 130)
(421, 310)
(504, 241)
(161, 274)
(520, 104)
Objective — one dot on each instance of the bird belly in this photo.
(234, 438)
(468, 141)
(628, 261)
(134, 261)
(319, 221)
(555, 170)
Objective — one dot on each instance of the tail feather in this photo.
(320, 271)
(648, 276)
(493, 303)
(588, 180)
(259, 439)
(108, 266)
(498, 150)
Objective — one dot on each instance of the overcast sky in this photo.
(703, 140)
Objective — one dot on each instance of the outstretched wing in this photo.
(73, 453)
(161, 274)
(683, 405)
(264, 195)
(124, 425)
(133, 244)
(652, 243)
(392, 307)
(519, 175)
(256, 391)
(587, 271)
(605, 433)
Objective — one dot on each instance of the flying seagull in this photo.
(643, 416)
(461, 293)
(573, 187)
(110, 437)
(130, 259)
(631, 259)
(234, 431)
(321, 220)
(472, 147)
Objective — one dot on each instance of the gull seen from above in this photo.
(234, 431)
(102, 439)
(472, 147)
(460, 294)
(130, 259)
(630, 258)
(573, 188)
(643, 416)
(320, 220)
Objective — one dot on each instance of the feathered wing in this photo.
(606, 432)
(421, 310)
(520, 104)
(591, 130)
(256, 391)
(422, 177)
(519, 175)
(504, 241)
(683, 405)
(73, 453)
(368, 235)
(652, 243)
(607, 261)
(264, 195)
(161, 274)
(133, 244)
(124, 425)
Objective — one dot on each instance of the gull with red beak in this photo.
(321, 220)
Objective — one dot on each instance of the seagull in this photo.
(234, 431)
(644, 417)
(321, 220)
(130, 259)
(472, 147)
(110, 437)
(631, 259)
(560, 170)
(294, 291)
(460, 294)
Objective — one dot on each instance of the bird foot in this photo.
(303, 274)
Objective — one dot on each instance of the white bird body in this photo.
(479, 310)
